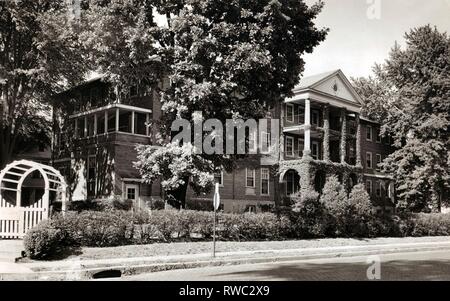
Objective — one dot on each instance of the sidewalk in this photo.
(77, 269)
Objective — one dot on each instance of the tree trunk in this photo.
(435, 200)
(177, 198)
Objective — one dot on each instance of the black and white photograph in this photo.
(224, 147)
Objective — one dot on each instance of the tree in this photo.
(410, 92)
(227, 59)
(38, 57)
(232, 59)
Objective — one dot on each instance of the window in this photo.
(252, 142)
(250, 177)
(80, 133)
(290, 112)
(111, 121)
(369, 187)
(218, 177)
(378, 136)
(315, 117)
(292, 182)
(250, 208)
(90, 125)
(131, 193)
(140, 123)
(369, 160)
(315, 150)
(378, 158)
(369, 133)
(289, 146)
(101, 123)
(265, 142)
(378, 189)
(265, 181)
(301, 146)
(125, 121)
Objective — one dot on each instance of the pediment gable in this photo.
(338, 85)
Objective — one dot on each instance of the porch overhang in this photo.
(320, 97)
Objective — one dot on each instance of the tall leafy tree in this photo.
(227, 59)
(409, 94)
(39, 56)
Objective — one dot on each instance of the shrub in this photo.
(44, 241)
(430, 224)
(166, 223)
(310, 218)
(204, 224)
(335, 201)
(84, 205)
(101, 229)
(358, 212)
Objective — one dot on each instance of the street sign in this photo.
(216, 200)
(216, 204)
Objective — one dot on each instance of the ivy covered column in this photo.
(305, 172)
(358, 141)
(326, 133)
(307, 144)
(343, 146)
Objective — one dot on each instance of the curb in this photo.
(87, 273)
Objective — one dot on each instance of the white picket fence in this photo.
(16, 221)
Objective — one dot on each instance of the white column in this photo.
(95, 124)
(307, 144)
(106, 122)
(147, 127)
(85, 126)
(132, 122)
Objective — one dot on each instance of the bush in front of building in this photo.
(103, 228)
(251, 226)
(358, 213)
(117, 227)
(45, 241)
(430, 224)
(309, 217)
(335, 201)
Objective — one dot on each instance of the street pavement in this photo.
(424, 265)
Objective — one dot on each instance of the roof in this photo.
(309, 81)
(312, 82)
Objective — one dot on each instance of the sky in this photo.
(362, 32)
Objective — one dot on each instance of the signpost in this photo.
(216, 203)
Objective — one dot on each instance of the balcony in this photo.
(114, 118)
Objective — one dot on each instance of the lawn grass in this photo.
(186, 248)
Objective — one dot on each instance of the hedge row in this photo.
(116, 227)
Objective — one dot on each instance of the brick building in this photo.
(321, 133)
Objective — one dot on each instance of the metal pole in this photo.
(214, 234)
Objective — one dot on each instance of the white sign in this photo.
(216, 200)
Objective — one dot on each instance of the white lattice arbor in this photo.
(18, 216)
